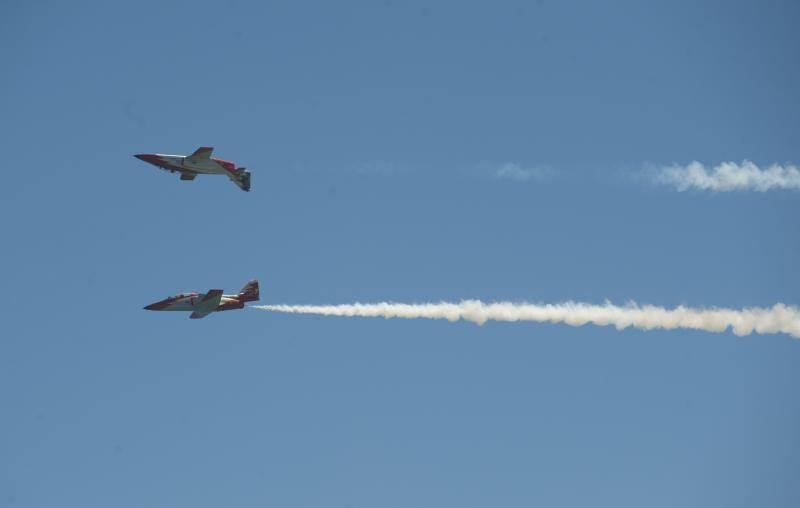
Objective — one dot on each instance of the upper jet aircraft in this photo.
(199, 163)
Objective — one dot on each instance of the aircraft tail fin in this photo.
(249, 293)
(242, 179)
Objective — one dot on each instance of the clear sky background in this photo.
(374, 131)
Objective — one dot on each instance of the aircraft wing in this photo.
(185, 175)
(201, 154)
(208, 304)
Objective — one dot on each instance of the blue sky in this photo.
(374, 131)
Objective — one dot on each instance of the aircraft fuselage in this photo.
(188, 301)
(210, 166)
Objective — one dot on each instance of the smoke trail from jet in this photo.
(729, 176)
(779, 318)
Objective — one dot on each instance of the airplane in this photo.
(199, 163)
(202, 304)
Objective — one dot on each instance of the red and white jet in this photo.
(203, 304)
(199, 163)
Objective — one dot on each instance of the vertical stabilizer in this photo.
(249, 292)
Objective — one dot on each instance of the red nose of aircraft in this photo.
(158, 305)
(147, 157)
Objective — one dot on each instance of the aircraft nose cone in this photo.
(147, 157)
(163, 304)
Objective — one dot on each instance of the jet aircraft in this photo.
(202, 304)
(199, 163)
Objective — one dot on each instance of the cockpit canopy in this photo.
(183, 295)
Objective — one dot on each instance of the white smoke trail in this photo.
(779, 318)
(516, 172)
(729, 176)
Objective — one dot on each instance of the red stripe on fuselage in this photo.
(228, 166)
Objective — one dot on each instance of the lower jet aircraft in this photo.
(203, 304)
(199, 163)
